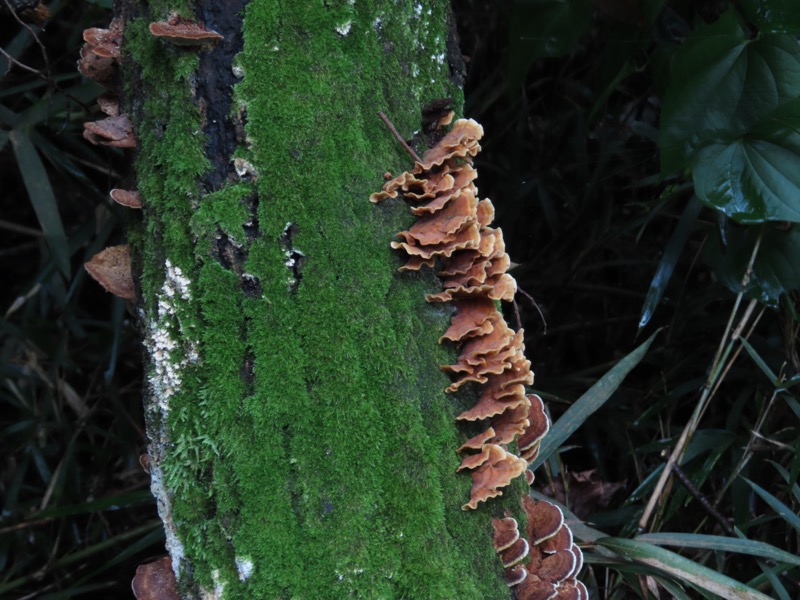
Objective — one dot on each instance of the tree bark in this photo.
(301, 443)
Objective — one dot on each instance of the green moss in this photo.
(311, 435)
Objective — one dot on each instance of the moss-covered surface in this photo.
(299, 423)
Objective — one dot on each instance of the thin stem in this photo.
(398, 137)
(725, 346)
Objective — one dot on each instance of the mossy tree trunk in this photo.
(302, 445)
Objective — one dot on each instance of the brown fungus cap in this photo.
(101, 69)
(155, 581)
(474, 317)
(111, 268)
(129, 198)
(544, 520)
(477, 442)
(105, 42)
(506, 532)
(183, 32)
(515, 575)
(555, 568)
(493, 469)
(534, 588)
(515, 553)
(109, 105)
(116, 132)
(561, 541)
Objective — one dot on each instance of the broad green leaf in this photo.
(786, 513)
(751, 180)
(682, 569)
(588, 403)
(42, 198)
(777, 16)
(544, 28)
(721, 84)
(776, 269)
(721, 543)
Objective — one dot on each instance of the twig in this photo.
(726, 344)
(698, 495)
(398, 137)
(536, 306)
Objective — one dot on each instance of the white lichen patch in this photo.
(166, 339)
(173, 545)
(244, 566)
(244, 168)
(219, 587)
(344, 28)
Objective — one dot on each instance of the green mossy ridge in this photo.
(336, 476)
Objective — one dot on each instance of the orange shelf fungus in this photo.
(116, 132)
(111, 268)
(183, 32)
(453, 235)
(128, 198)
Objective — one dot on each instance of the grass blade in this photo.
(719, 542)
(786, 513)
(669, 259)
(42, 198)
(682, 568)
(593, 399)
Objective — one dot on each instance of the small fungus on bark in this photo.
(111, 268)
(155, 581)
(105, 42)
(129, 198)
(101, 69)
(183, 32)
(116, 132)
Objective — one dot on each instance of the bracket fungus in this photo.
(155, 581)
(105, 42)
(129, 198)
(116, 132)
(452, 234)
(536, 568)
(183, 32)
(111, 268)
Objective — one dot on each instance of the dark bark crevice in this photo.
(214, 88)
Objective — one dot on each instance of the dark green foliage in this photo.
(613, 247)
(76, 513)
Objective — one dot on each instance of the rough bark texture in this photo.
(302, 445)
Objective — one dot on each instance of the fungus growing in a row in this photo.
(129, 198)
(453, 231)
(183, 32)
(111, 268)
(546, 568)
(116, 132)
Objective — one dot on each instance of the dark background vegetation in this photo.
(571, 162)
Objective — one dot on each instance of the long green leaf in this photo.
(722, 543)
(42, 198)
(672, 253)
(682, 569)
(594, 398)
(786, 513)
